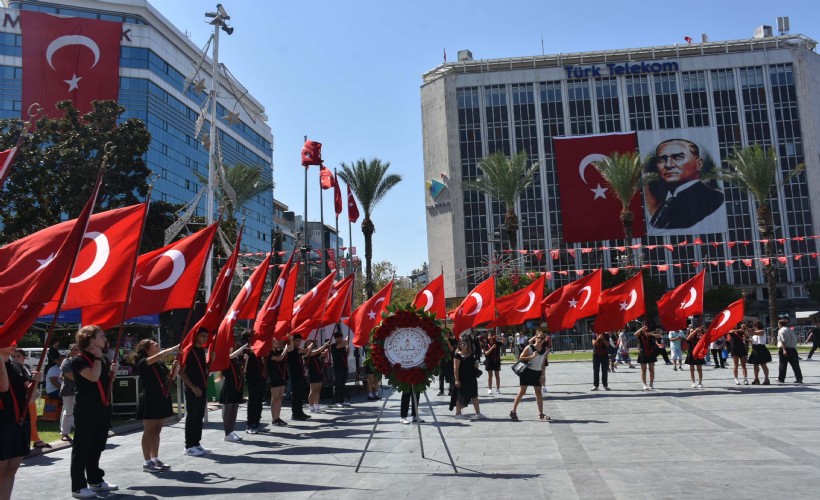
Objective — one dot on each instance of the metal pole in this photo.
(305, 245)
(350, 243)
(418, 417)
(323, 260)
(373, 431)
(446, 448)
(212, 156)
(336, 255)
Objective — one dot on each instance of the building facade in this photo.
(761, 90)
(155, 60)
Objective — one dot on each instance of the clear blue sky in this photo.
(348, 73)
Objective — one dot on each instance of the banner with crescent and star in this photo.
(590, 211)
(69, 58)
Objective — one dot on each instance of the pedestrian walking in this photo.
(600, 360)
(492, 363)
(533, 376)
(787, 348)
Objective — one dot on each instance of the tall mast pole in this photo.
(212, 155)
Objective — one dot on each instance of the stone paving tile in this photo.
(675, 442)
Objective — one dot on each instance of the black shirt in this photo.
(254, 371)
(154, 379)
(90, 396)
(18, 376)
(296, 366)
(339, 355)
(195, 367)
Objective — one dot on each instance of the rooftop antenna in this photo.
(783, 25)
(542, 44)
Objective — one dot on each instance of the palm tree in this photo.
(755, 170)
(505, 179)
(623, 174)
(370, 182)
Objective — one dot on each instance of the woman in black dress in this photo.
(233, 393)
(740, 351)
(155, 399)
(14, 436)
(492, 363)
(465, 380)
(647, 355)
(760, 356)
(315, 360)
(278, 378)
(693, 362)
(533, 375)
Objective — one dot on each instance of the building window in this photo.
(638, 101)
(526, 140)
(580, 107)
(666, 100)
(609, 113)
(552, 125)
(695, 98)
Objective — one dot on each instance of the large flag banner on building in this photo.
(678, 199)
(590, 210)
(620, 304)
(677, 305)
(69, 58)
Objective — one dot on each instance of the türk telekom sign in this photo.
(622, 68)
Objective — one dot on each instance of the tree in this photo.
(718, 298)
(813, 289)
(370, 183)
(505, 180)
(383, 272)
(55, 168)
(622, 172)
(755, 170)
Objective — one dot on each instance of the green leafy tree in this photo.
(623, 174)
(718, 298)
(755, 170)
(370, 182)
(55, 168)
(505, 180)
(383, 272)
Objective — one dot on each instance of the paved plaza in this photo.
(722, 441)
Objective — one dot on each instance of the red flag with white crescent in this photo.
(69, 58)
(431, 298)
(590, 210)
(573, 301)
(352, 207)
(620, 305)
(6, 159)
(368, 315)
(679, 304)
(719, 327)
(520, 306)
(339, 302)
(309, 309)
(477, 307)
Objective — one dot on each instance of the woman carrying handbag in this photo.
(533, 375)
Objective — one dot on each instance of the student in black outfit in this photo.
(14, 435)
(407, 401)
(278, 379)
(447, 365)
(338, 352)
(814, 337)
(298, 381)
(92, 413)
(193, 373)
(315, 359)
(740, 351)
(600, 360)
(492, 363)
(647, 355)
(255, 378)
(233, 393)
(155, 403)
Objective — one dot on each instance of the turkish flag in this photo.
(102, 270)
(620, 305)
(243, 307)
(519, 306)
(326, 179)
(6, 159)
(166, 278)
(53, 272)
(310, 307)
(589, 207)
(684, 301)
(352, 208)
(216, 303)
(106, 258)
(338, 305)
(477, 307)
(573, 301)
(311, 153)
(265, 324)
(431, 298)
(69, 58)
(719, 327)
(337, 198)
(365, 318)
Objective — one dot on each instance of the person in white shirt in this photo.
(760, 353)
(787, 348)
(675, 340)
(53, 379)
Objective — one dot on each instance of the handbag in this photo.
(519, 367)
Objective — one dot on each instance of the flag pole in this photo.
(109, 148)
(336, 255)
(130, 288)
(323, 258)
(305, 245)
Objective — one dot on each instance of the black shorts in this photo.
(152, 408)
(15, 440)
(492, 366)
(530, 377)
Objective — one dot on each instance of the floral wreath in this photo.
(417, 378)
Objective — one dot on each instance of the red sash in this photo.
(164, 388)
(103, 395)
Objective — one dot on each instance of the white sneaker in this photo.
(745, 381)
(737, 382)
(194, 451)
(651, 387)
(460, 416)
(479, 416)
(205, 451)
(700, 385)
(694, 386)
(311, 409)
(405, 421)
(103, 486)
(544, 390)
(345, 404)
(645, 387)
(339, 405)
(489, 392)
(319, 409)
(418, 419)
(84, 493)
(233, 437)
(498, 391)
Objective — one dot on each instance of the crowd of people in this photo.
(295, 367)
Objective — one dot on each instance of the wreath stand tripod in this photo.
(418, 427)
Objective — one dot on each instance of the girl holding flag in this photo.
(692, 339)
(155, 399)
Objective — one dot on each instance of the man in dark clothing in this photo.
(298, 381)
(194, 374)
(255, 376)
(814, 337)
(339, 352)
